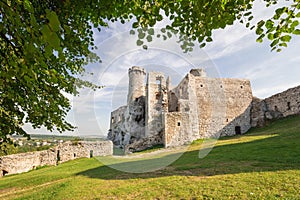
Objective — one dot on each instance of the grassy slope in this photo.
(263, 164)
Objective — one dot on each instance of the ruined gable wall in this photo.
(279, 105)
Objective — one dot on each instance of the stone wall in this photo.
(128, 123)
(277, 106)
(23, 162)
(222, 103)
(207, 107)
(177, 131)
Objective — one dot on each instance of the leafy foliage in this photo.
(7, 148)
(281, 26)
(195, 20)
(43, 48)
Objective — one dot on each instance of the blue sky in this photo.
(234, 53)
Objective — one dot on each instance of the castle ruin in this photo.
(198, 107)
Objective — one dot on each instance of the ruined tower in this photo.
(136, 86)
(156, 103)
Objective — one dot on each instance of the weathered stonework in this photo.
(199, 107)
(207, 107)
(277, 106)
(23, 162)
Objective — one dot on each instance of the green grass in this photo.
(263, 164)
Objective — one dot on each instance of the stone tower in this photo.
(136, 86)
(156, 103)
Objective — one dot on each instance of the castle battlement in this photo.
(137, 70)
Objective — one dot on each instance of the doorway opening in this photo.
(238, 130)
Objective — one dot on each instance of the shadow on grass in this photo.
(280, 151)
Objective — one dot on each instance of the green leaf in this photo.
(149, 38)
(151, 31)
(68, 30)
(260, 24)
(294, 24)
(48, 50)
(280, 11)
(277, 34)
(145, 47)
(269, 24)
(135, 25)
(259, 31)
(274, 43)
(28, 6)
(202, 45)
(260, 38)
(273, 48)
(46, 31)
(132, 32)
(141, 35)
(53, 20)
(296, 32)
(139, 42)
(54, 40)
(209, 39)
(283, 44)
(285, 38)
(270, 36)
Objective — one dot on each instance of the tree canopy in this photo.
(44, 45)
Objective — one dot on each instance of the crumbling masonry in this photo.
(198, 107)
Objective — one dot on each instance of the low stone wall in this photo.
(23, 162)
(277, 106)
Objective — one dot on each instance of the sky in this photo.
(234, 53)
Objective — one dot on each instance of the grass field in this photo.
(263, 164)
